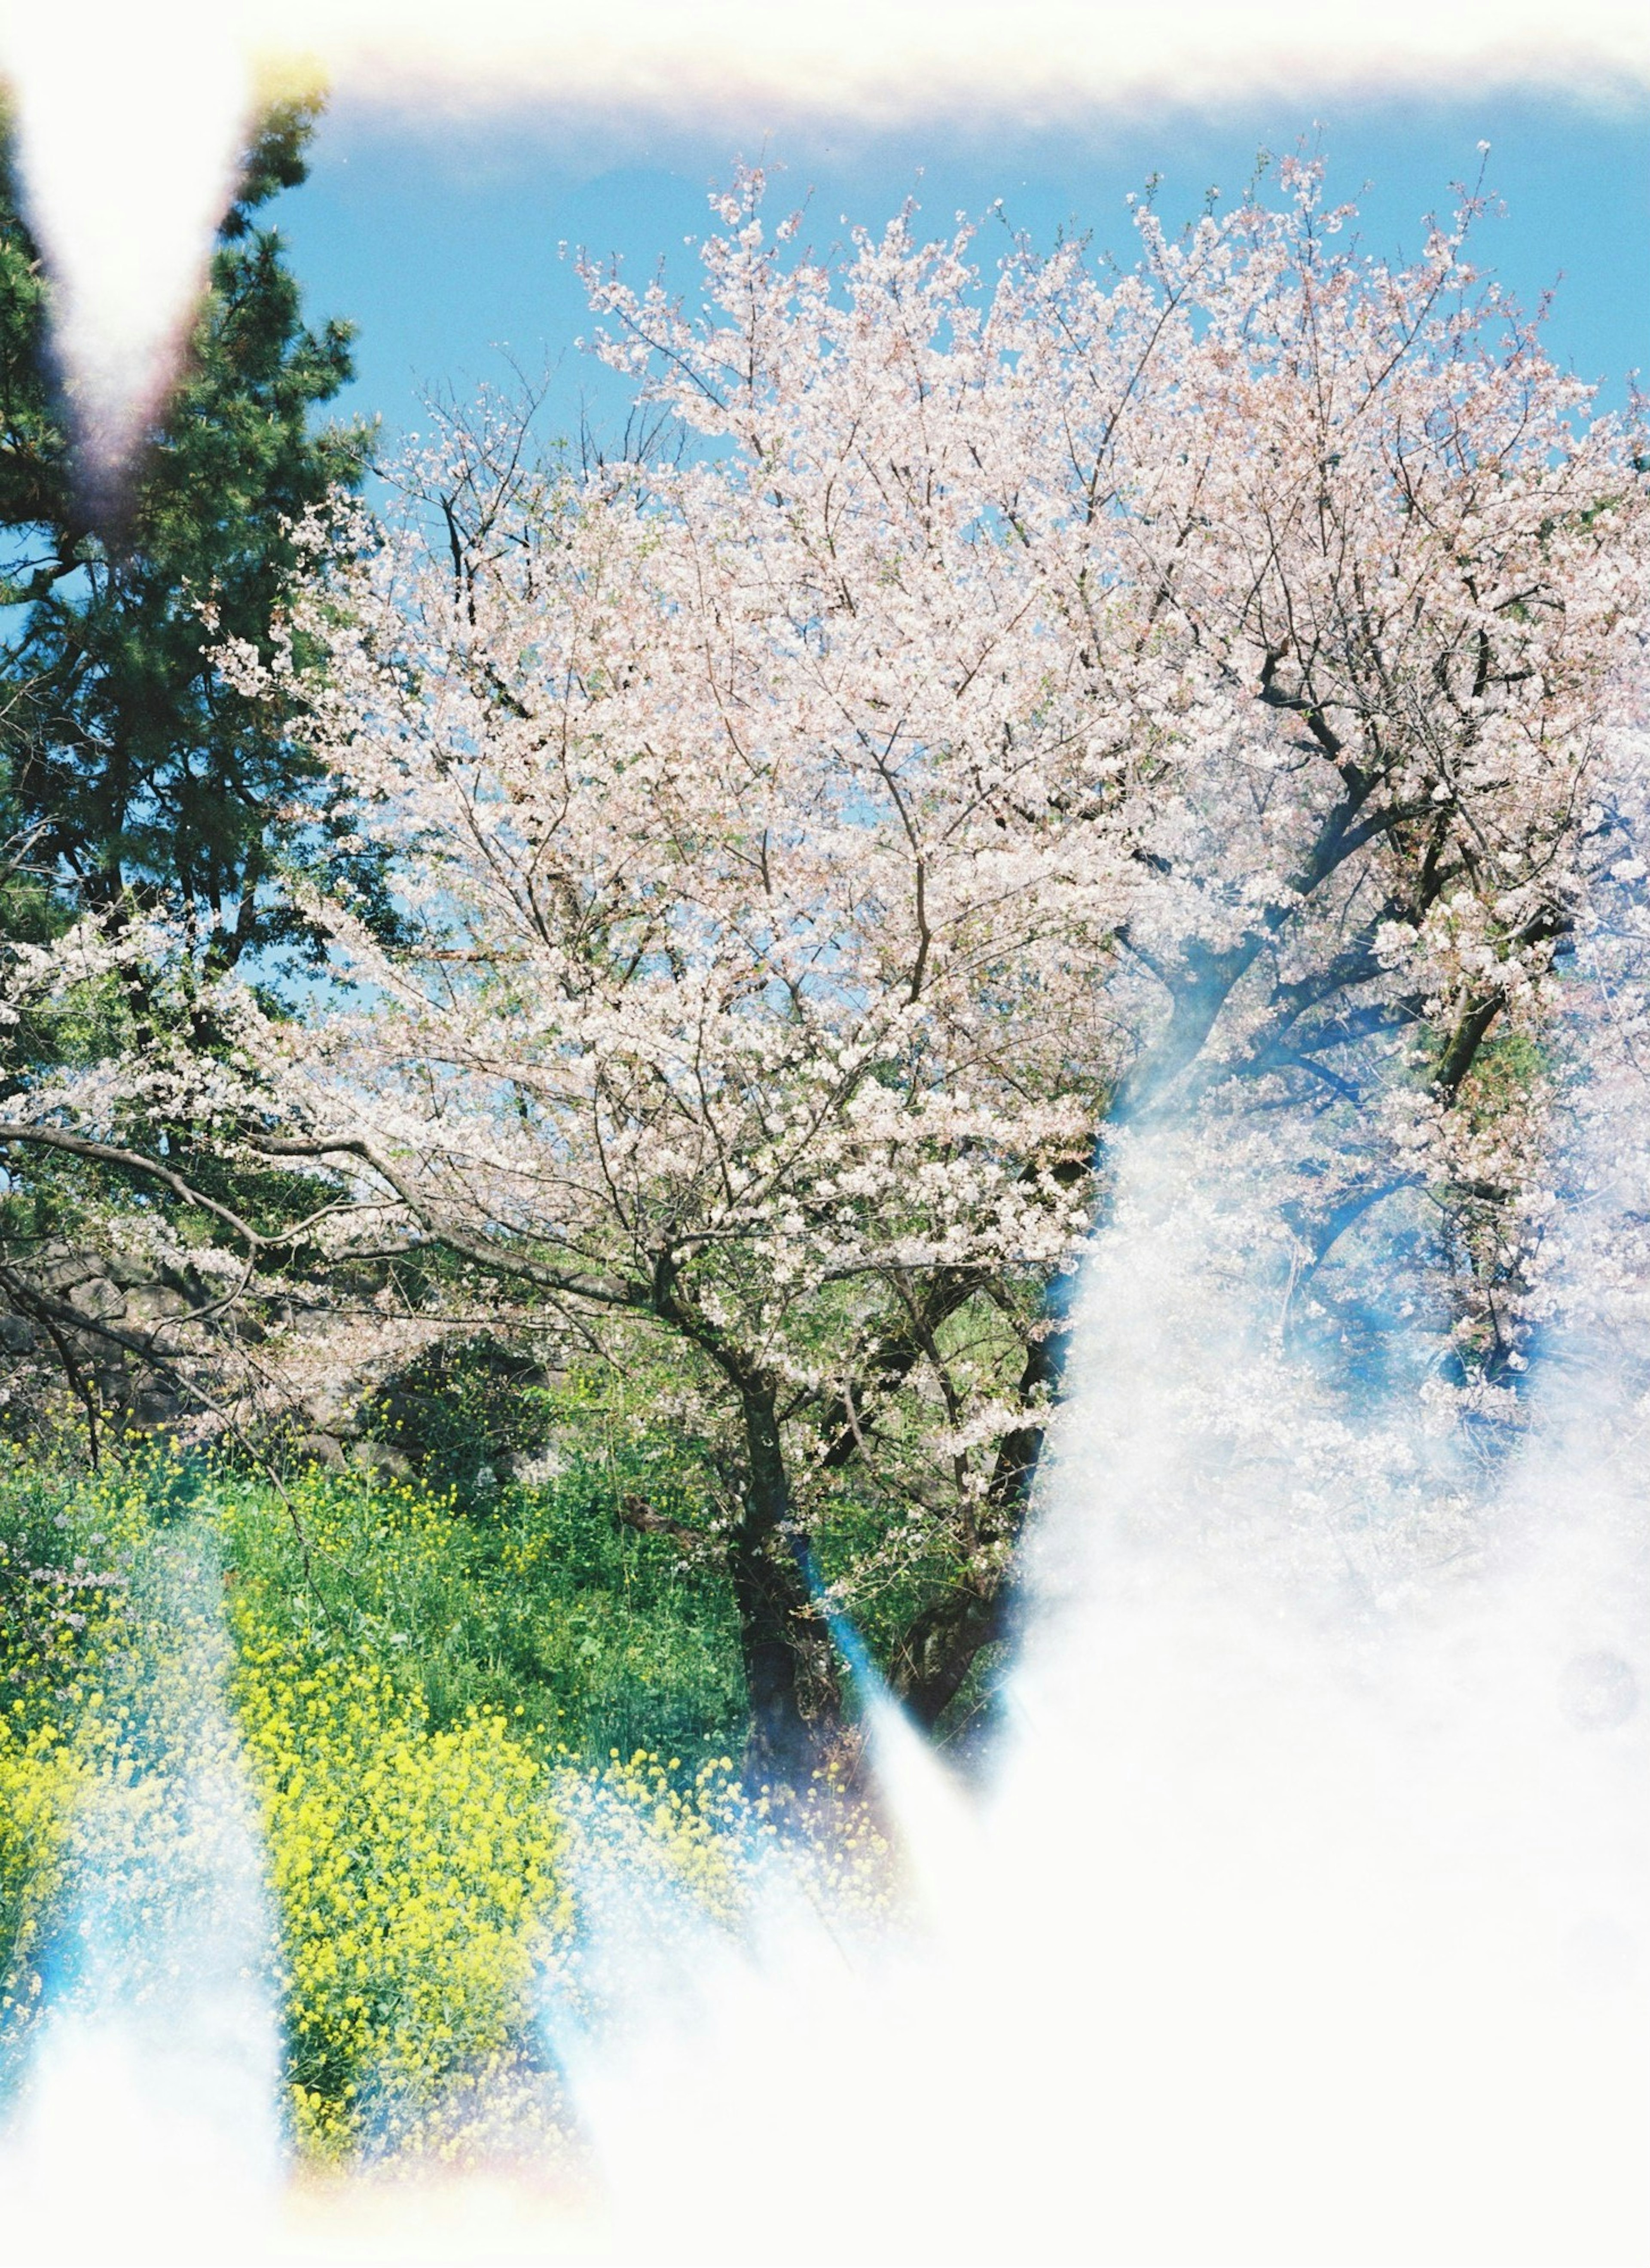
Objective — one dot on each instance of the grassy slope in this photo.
(410, 1701)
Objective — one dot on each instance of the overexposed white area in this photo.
(1305, 1921)
(131, 122)
(1045, 58)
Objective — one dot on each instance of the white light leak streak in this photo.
(1307, 1922)
(147, 2125)
(129, 123)
(1364, 1900)
(888, 61)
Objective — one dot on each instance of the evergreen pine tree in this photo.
(131, 772)
(134, 777)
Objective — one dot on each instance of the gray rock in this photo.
(155, 1303)
(532, 1467)
(330, 1413)
(379, 1457)
(17, 1334)
(98, 1300)
(321, 1449)
(70, 1268)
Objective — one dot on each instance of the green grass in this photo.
(532, 1601)
(536, 1603)
(412, 1677)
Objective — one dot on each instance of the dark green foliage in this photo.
(127, 763)
(461, 1409)
(133, 775)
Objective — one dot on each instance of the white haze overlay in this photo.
(1304, 1919)
(147, 2123)
(130, 117)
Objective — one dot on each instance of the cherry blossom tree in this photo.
(1332, 553)
(1382, 514)
(779, 1044)
(1019, 708)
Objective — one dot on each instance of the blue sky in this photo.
(440, 237)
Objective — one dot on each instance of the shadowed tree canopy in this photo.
(131, 770)
(134, 780)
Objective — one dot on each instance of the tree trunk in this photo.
(795, 1699)
(940, 1647)
(932, 1661)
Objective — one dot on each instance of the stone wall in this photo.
(122, 1322)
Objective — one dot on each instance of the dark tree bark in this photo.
(932, 1660)
(789, 1672)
